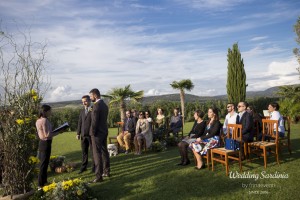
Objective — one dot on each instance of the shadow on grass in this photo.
(156, 176)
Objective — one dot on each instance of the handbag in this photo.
(231, 144)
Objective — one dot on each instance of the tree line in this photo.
(61, 115)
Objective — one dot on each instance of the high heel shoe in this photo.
(202, 167)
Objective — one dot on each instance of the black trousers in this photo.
(44, 156)
(86, 144)
(100, 155)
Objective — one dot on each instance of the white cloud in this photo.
(278, 73)
(152, 92)
(61, 93)
(259, 38)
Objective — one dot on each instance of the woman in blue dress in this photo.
(209, 139)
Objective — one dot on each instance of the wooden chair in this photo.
(261, 148)
(224, 154)
(256, 130)
(113, 139)
(286, 141)
(207, 157)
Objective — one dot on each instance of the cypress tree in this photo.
(236, 76)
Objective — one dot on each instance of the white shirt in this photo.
(275, 115)
(229, 119)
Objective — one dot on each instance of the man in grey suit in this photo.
(83, 132)
(99, 132)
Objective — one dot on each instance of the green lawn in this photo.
(156, 176)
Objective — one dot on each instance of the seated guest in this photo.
(135, 115)
(275, 115)
(160, 124)
(128, 132)
(245, 119)
(230, 117)
(257, 121)
(209, 139)
(175, 123)
(150, 121)
(197, 131)
(142, 132)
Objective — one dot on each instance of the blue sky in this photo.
(150, 43)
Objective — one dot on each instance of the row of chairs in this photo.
(270, 140)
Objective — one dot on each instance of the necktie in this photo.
(86, 111)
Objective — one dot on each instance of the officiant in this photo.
(45, 133)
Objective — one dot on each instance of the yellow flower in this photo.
(20, 121)
(52, 157)
(76, 181)
(33, 160)
(45, 188)
(35, 98)
(79, 192)
(33, 92)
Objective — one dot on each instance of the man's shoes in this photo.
(81, 171)
(97, 180)
(126, 152)
(105, 175)
(186, 163)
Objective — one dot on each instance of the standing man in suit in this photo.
(99, 132)
(246, 120)
(83, 133)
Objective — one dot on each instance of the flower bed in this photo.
(75, 189)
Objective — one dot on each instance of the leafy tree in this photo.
(296, 50)
(182, 85)
(120, 95)
(21, 73)
(290, 101)
(236, 76)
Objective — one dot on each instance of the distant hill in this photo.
(270, 92)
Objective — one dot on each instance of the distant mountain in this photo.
(270, 92)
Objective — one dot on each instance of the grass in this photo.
(156, 176)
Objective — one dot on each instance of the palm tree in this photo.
(185, 84)
(119, 95)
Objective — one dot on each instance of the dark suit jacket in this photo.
(84, 123)
(247, 123)
(131, 126)
(99, 120)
